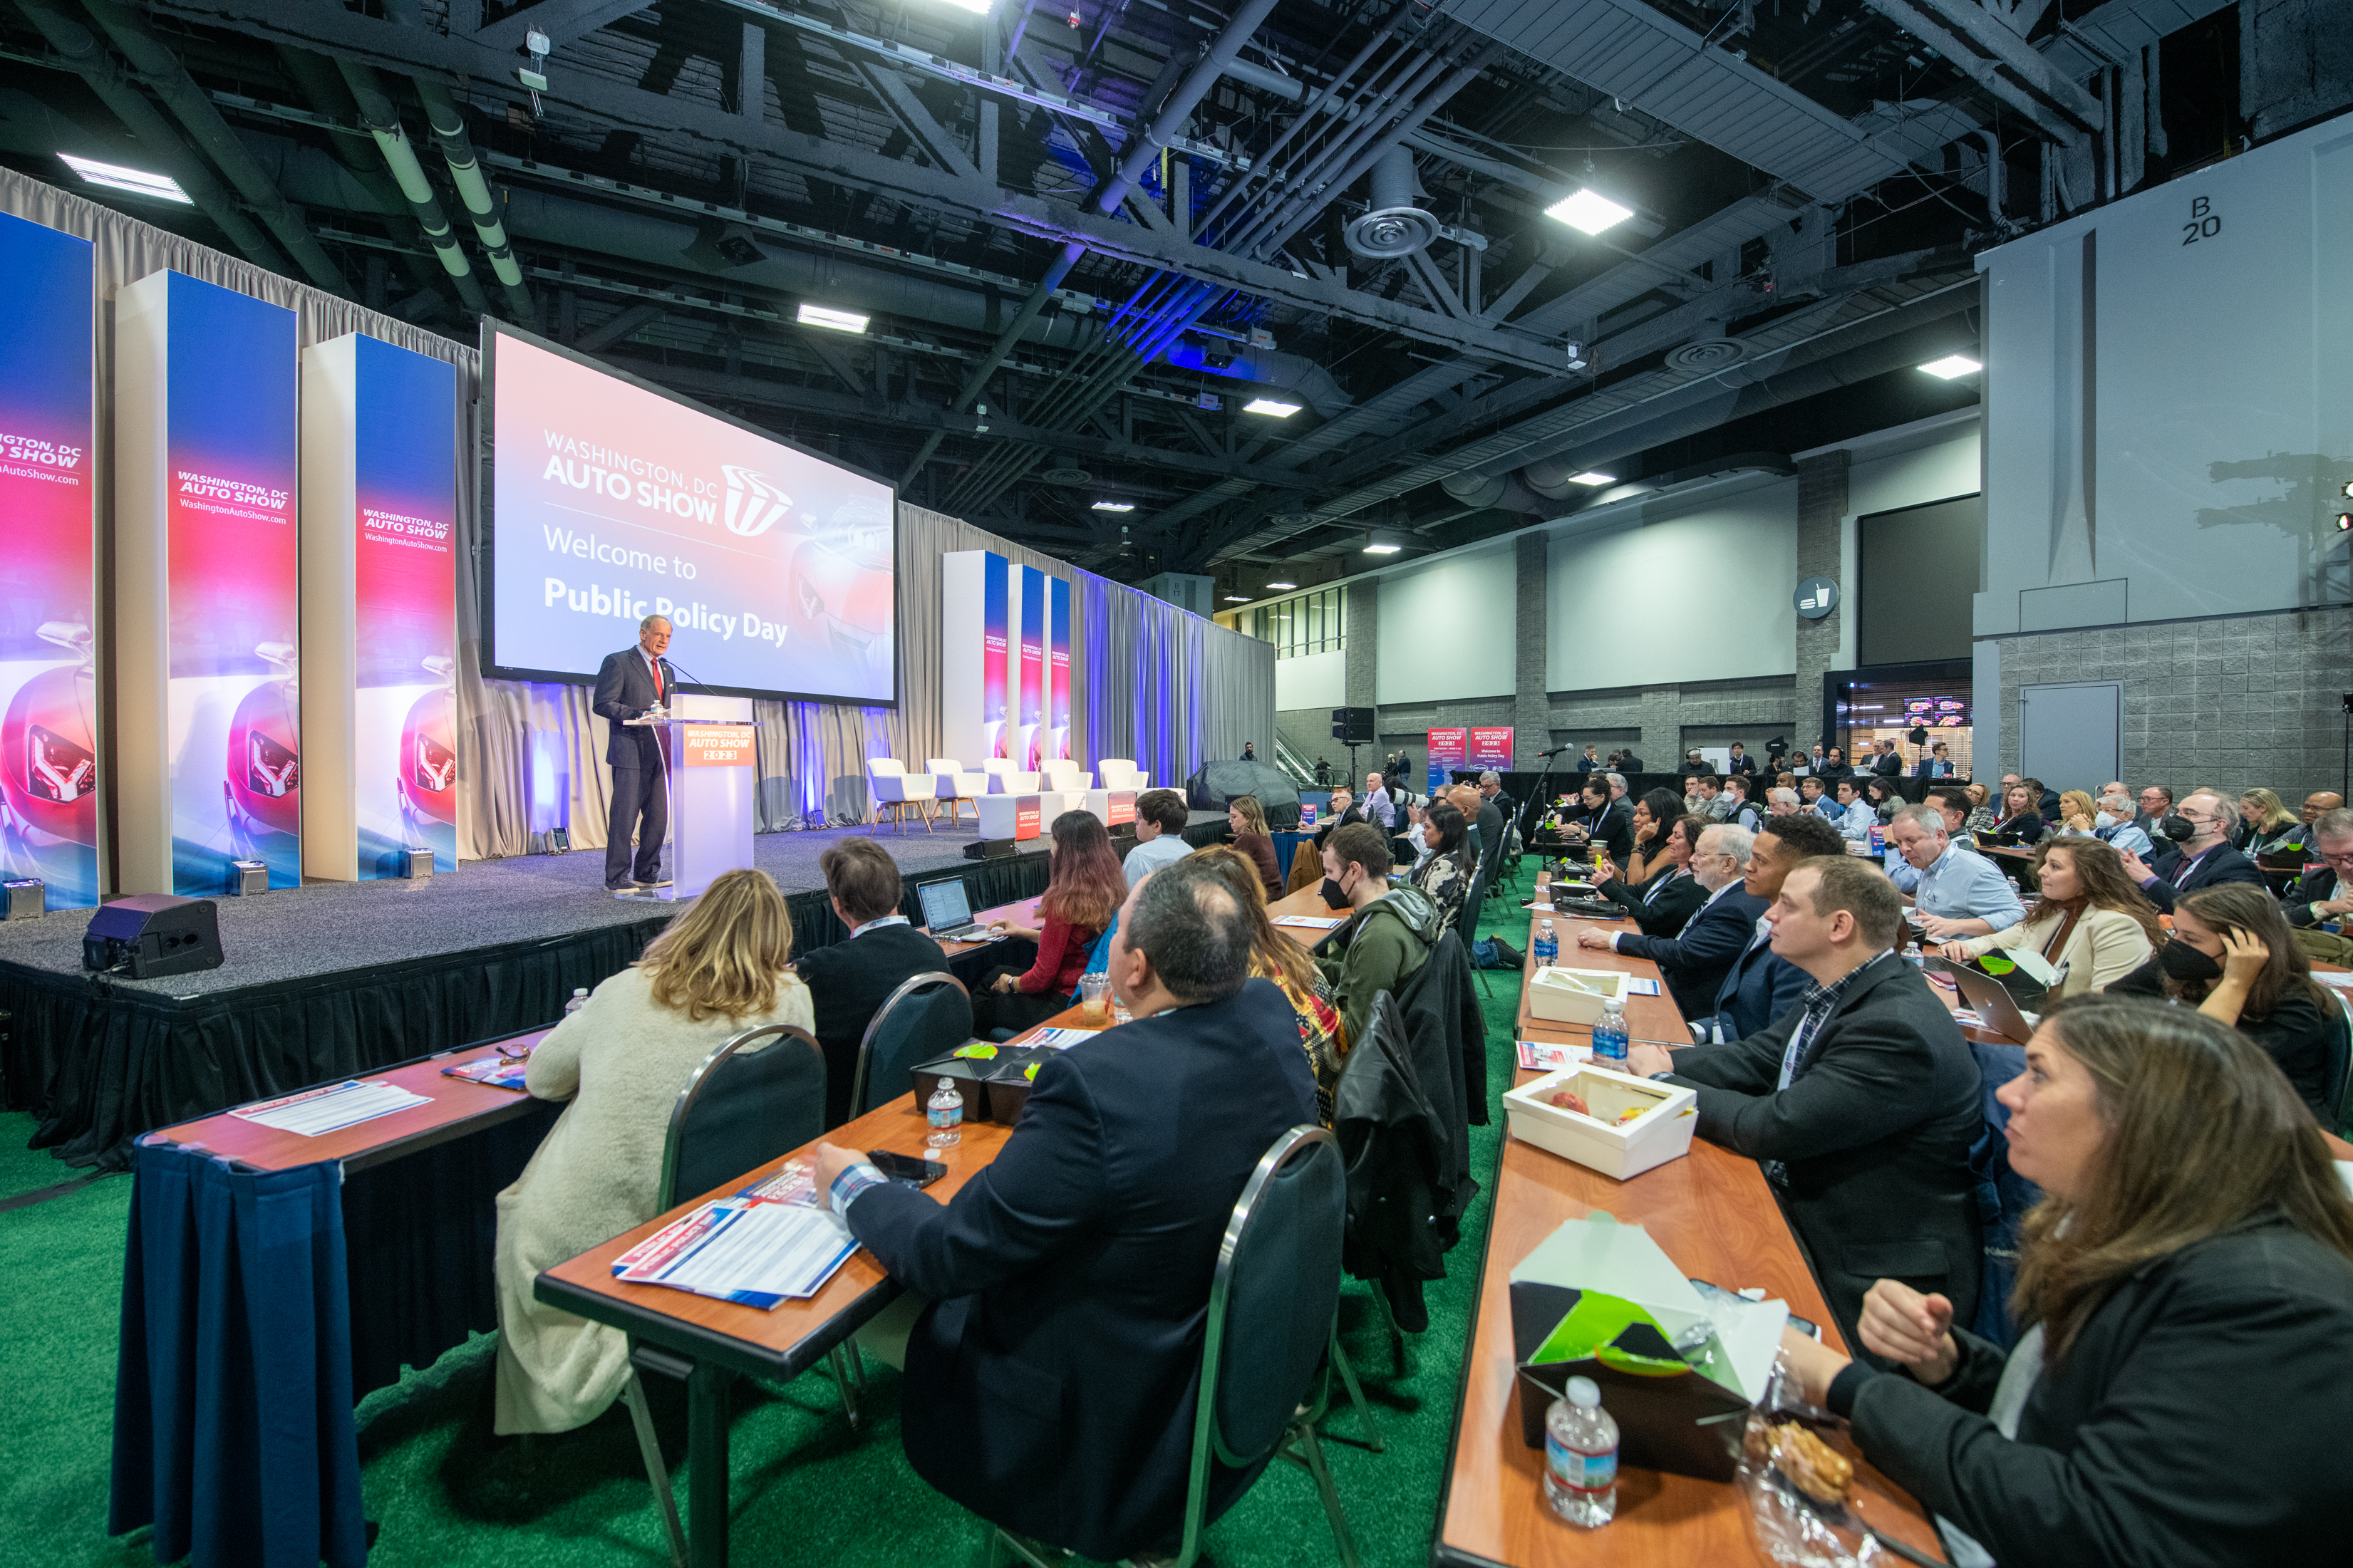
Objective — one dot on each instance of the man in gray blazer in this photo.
(627, 683)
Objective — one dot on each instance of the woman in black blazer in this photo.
(2188, 1281)
(1664, 901)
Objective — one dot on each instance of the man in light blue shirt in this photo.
(1855, 816)
(1810, 792)
(1378, 806)
(2114, 823)
(1160, 818)
(1957, 894)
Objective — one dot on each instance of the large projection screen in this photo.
(608, 499)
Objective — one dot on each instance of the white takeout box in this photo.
(1599, 1141)
(1574, 996)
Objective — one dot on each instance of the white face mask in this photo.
(2104, 820)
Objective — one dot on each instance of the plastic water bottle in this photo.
(944, 1111)
(579, 1000)
(1547, 946)
(1610, 1037)
(1581, 1456)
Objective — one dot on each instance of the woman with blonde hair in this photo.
(720, 967)
(2077, 812)
(1982, 814)
(2265, 825)
(2089, 917)
(1274, 956)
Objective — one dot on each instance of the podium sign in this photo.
(713, 784)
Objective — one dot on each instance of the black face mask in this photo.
(1334, 899)
(2177, 827)
(2183, 962)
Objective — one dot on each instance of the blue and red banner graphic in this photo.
(1490, 747)
(1449, 750)
(49, 691)
(994, 636)
(1033, 664)
(1058, 670)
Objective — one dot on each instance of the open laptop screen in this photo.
(944, 906)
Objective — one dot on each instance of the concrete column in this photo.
(1531, 711)
(1363, 663)
(1821, 507)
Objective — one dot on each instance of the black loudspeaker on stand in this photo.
(153, 934)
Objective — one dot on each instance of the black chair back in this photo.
(926, 1017)
(1474, 902)
(2340, 1066)
(1272, 1299)
(758, 1096)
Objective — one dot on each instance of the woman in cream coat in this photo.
(717, 969)
(2116, 926)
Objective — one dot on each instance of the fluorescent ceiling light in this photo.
(1588, 212)
(838, 321)
(1282, 584)
(1236, 599)
(1383, 549)
(1952, 365)
(138, 181)
(1114, 506)
(978, 7)
(1593, 477)
(1269, 406)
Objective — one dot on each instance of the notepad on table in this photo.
(1640, 988)
(331, 1108)
(757, 1254)
(498, 1072)
(1310, 922)
(1059, 1040)
(1551, 1055)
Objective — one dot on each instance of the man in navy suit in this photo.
(2202, 860)
(627, 683)
(1695, 960)
(1936, 764)
(1760, 985)
(1057, 1304)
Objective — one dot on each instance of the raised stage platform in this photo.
(341, 977)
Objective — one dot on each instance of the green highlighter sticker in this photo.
(1994, 964)
(974, 1052)
(1030, 1072)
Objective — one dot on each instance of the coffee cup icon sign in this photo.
(1816, 597)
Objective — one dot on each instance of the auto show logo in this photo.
(755, 504)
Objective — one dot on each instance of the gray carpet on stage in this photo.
(324, 926)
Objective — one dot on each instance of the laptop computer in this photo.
(946, 914)
(1993, 1005)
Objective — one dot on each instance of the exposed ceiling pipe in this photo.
(1291, 372)
(160, 69)
(1265, 80)
(105, 75)
(448, 125)
(1996, 174)
(382, 123)
(315, 77)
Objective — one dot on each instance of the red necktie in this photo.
(656, 680)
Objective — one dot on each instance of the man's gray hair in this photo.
(1730, 840)
(1783, 796)
(1927, 818)
(2337, 823)
(1617, 780)
(1490, 776)
(1191, 925)
(648, 624)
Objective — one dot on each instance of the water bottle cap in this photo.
(580, 991)
(946, 1083)
(1583, 1393)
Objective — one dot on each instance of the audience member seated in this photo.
(1652, 813)
(1735, 800)
(1695, 960)
(1247, 820)
(1275, 956)
(2321, 894)
(1811, 798)
(2077, 814)
(1662, 901)
(1955, 893)
(1936, 763)
(1880, 795)
(1051, 1331)
(720, 966)
(2045, 798)
(1082, 894)
(2187, 1278)
(849, 981)
(1708, 799)
(2115, 824)
(1952, 803)
(2231, 957)
(1160, 818)
(1493, 812)
(2317, 805)
(1694, 764)
(2265, 825)
(2088, 918)
(1385, 941)
(2201, 857)
(1608, 823)
(1761, 984)
(1739, 763)
(1862, 1103)
(1834, 766)
(1783, 800)
(1984, 812)
(2021, 822)
(2156, 804)
(1379, 806)
(1443, 873)
(1853, 816)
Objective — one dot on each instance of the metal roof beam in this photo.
(1985, 50)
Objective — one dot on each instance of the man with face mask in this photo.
(2114, 823)
(1385, 939)
(2200, 828)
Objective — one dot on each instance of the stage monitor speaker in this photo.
(1218, 783)
(1353, 726)
(153, 934)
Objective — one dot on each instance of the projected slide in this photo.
(611, 502)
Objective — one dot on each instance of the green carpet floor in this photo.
(804, 1488)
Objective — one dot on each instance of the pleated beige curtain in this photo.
(1148, 680)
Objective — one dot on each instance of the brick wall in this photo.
(1821, 507)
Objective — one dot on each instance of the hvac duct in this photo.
(382, 123)
(1265, 80)
(1292, 373)
(441, 112)
(1393, 226)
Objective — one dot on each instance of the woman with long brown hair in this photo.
(2188, 1287)
(720, 966)
(1274, 956)
(2232, 958)
(1247, 820)
(1085, 889)
(2089, 917)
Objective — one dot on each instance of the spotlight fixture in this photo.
(1588, 212)
(832, 320)
(1952, 366)
(2345, 523)
(2347, 491)
(1268, 406)
(1114, 506)
(1282, 584)
(138, 181)
(1593, 477)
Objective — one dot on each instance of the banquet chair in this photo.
(957, 786)
(895, 789)
(926, 1017)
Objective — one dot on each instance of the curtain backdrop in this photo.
(1148, 680)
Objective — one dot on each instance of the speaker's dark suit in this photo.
(1051, 1387)
(624, 689)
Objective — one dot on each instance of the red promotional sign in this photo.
(1490, 747)
(1448, 750)
(1025, 817)
(1122, 807)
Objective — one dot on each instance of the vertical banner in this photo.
(379, 609)
(1033, 665)
(48, 678)
(1449, 750)
(1058, 670)
(1490, 747)
(995, 637)
(207, 597)
(961, 659)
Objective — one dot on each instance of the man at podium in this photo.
(627, 684)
